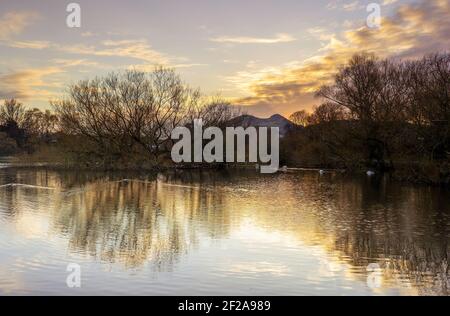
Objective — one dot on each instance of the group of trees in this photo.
(377, 113)
(326, 112)
(382, 111)
(20, 128)
(132, 114)
(122, 118)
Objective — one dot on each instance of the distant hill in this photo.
(274, 121)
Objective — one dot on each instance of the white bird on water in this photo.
(284, 169)
(370, 173)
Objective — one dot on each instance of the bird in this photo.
(321, 172)
(370, 173)
(284, 169)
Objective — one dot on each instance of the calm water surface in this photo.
(215, 233)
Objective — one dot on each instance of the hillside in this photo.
(274, 121)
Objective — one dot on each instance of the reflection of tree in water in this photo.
(128, 221)
(156, 220)
(405, 229)
(134, 222)
(361, 221)
(406, 226)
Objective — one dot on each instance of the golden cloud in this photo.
(279, 38)
(28, 83)
(414, 30)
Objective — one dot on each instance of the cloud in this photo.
(279, 38)
(67, 63)
(321, 33)
(352, 6)
(136, 49)
(346, 6)
(388, 2)
(414, 30)
(42, 84)
(150, 67)
(333, 5)
(13, 23)
(88, 34)
(29, 83)
(30, 44)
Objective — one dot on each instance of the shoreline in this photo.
(394, 175)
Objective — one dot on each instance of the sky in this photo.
(268, 56)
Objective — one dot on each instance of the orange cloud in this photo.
(28, 83)
(414, 30)
(280, 38)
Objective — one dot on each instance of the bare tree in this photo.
(374, 94)
(215, 111)
(429, 103)
(33, 121)
(300, 118)
(129, 111)
(12, 112)
(327, 112)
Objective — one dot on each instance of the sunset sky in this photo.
(267, 55)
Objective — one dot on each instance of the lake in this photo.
(221, 233)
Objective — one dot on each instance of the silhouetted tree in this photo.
(327, 112)
(134, 111)
(300, 118)
(12, 115)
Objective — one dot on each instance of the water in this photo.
(215, 233)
